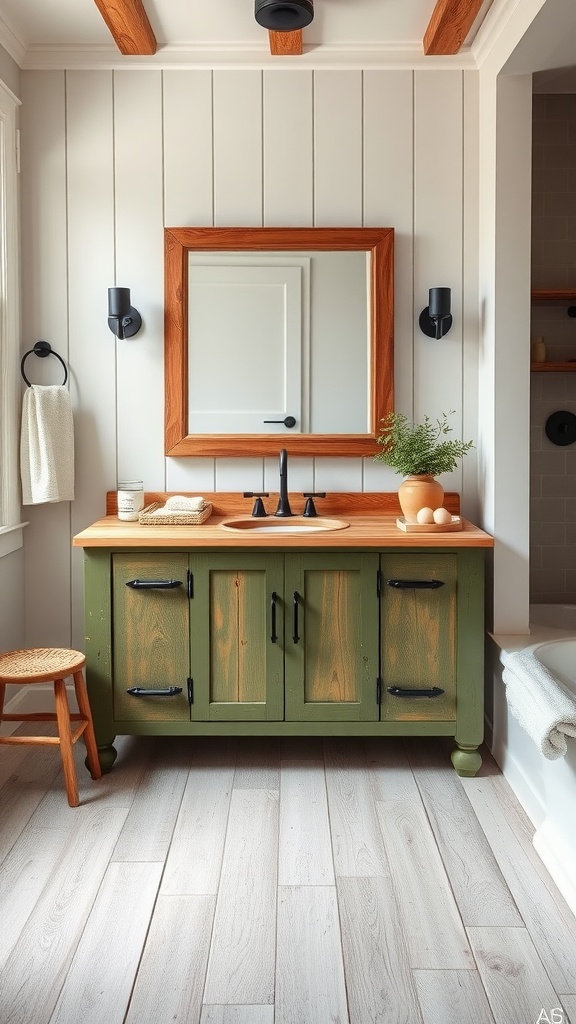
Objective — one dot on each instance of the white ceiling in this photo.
(29, 28)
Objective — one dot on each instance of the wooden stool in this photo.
(53, 664)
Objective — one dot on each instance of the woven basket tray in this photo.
(175, 518)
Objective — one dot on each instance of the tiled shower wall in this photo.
(553, 468)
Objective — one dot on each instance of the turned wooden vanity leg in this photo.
(466, 760)
(107, 754)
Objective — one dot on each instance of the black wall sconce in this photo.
(436, 319)
(283, 15)
(123, 320)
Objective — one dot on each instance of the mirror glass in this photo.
(277, 337)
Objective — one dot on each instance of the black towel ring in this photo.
(42, 349)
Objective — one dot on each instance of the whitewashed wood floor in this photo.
(286, 881)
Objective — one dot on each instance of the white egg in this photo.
(442, 516)
(425, 516)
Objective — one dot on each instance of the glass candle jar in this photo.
(130, 499)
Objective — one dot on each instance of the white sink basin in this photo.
(293, 524)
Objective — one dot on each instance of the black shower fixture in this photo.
(284, 15)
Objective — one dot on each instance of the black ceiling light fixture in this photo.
(284, 15)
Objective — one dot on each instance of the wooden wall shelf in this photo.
(553, 367)
(552, 294)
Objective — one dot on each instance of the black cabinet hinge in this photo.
(378, 583)
(190, 689)
(379, 691)
(189, 584)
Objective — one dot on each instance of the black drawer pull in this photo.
(154, 584)
(295, 628)
(273, 633)
(415, 584)
(400, 691)
(166, 691)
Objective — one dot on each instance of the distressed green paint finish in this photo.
(98, 649)
(470, 665)
(151, 627)
(238, 671)
(331, 670)
(418, 635)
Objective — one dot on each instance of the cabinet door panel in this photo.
(151, 630)
(418, 635)
(332, 640)
(236, 665)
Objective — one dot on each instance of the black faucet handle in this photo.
(259, 511)
(310, 508)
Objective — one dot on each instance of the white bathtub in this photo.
(546, 789)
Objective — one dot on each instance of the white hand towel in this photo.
(47, 445)
(545, 709)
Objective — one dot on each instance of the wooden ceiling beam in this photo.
(286, 44)
(449, 25)
(129, 25)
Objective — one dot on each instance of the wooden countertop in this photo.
(373, 526)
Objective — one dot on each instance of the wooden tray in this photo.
(146, 518)
(456, 524)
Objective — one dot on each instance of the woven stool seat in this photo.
(53, 664)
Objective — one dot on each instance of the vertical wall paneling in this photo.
(288, 155)
(45, 316)
(139, 266)
(237, 148)
(338, 148)
(90, 221)
(187, 116)
(438, 200)
(388, 130)
(470, 304)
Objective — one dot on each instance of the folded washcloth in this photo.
(179, 503)
(47, 445)
(545, 709)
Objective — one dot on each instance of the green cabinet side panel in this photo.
(151, 636)
(331, 641)
(236, 666)
(418, 635)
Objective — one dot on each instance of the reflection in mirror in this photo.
(277, 337)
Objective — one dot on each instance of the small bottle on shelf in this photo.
(538, 350)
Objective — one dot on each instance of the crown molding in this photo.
(12, 43)
(234, 55)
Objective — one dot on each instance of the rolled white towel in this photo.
(545, 709)
(179, 503)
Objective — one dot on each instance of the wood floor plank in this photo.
(35, 970)
(569, 1005)
(258, 763)
(150, 824)
(305, 848)
(98, 985)
(241, 961)
(356, 837)
(195, 857)
(170, 980)
(310, 982)
(23, 792)
(516, 982)
(551, 924)
(390, 772)
(432, 925)
(481, 892)
(237, 1015)
(378, 976)
(452, 996)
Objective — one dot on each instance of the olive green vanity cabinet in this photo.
(294, 642)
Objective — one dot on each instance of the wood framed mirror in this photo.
(189, 245)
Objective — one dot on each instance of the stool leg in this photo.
(89, 738)
(65, 734)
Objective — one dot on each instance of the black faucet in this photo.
(283, 503)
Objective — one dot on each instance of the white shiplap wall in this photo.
(110, 158)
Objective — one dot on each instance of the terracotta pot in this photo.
(420, 491)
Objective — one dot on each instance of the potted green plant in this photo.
(420, 452)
